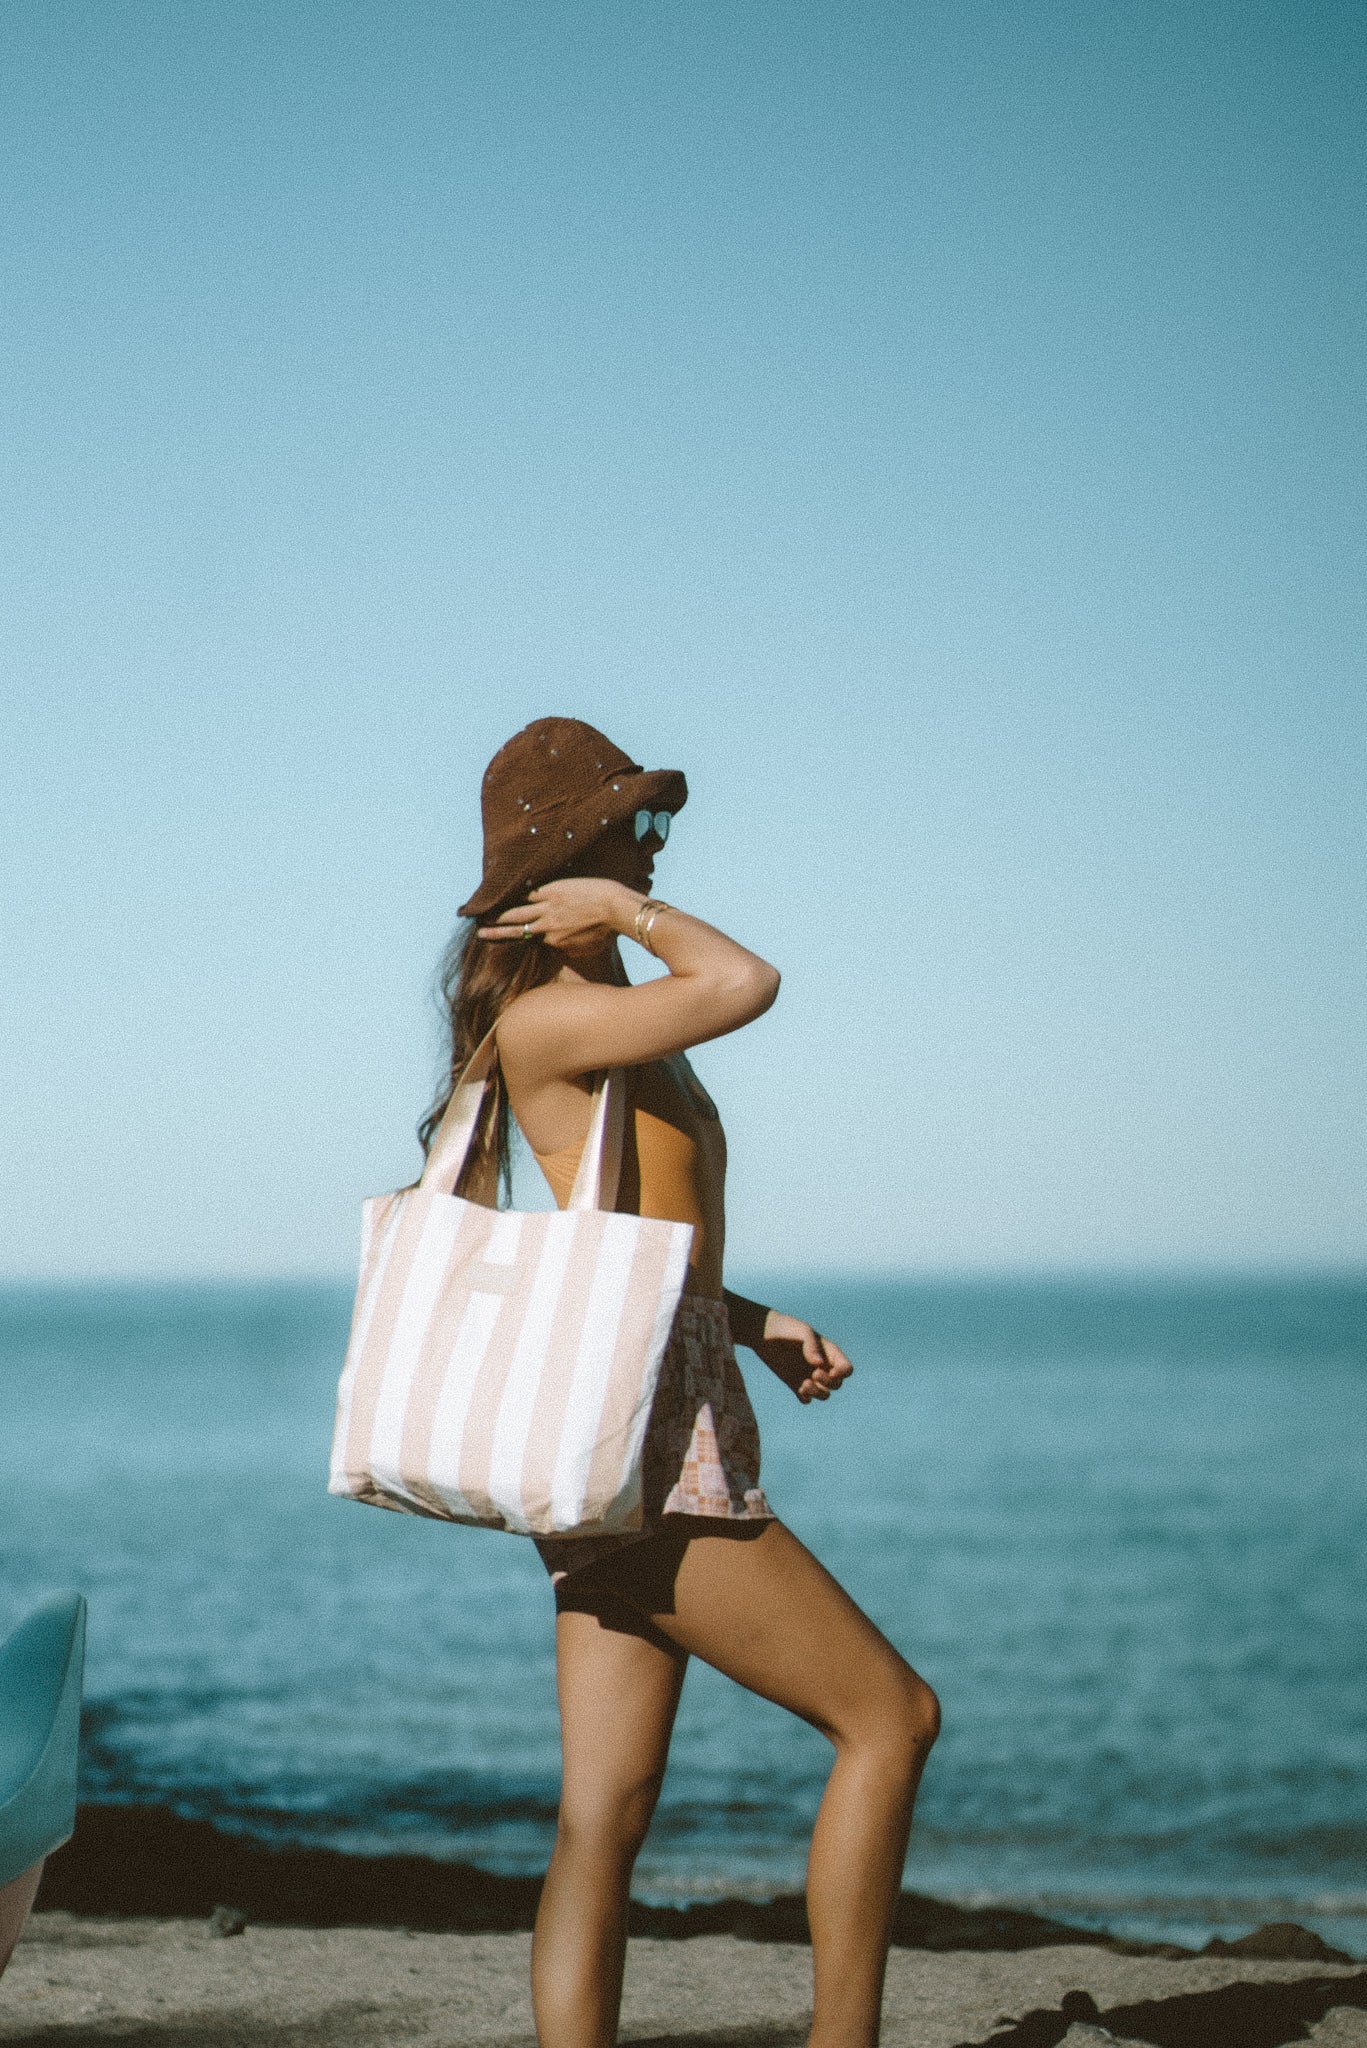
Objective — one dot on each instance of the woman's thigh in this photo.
(618, 1681)
(769, 1615)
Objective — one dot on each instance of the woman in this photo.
(571, 828)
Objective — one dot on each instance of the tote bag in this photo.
(502, 1365)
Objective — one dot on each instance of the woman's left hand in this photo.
(804, 1360)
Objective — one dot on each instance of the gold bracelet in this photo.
(655, 910)
(641, 910)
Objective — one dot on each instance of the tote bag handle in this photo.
(600, 1163)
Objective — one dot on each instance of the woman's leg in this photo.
(618, 1680)
(768, 1615)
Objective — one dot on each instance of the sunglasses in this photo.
(646, 822)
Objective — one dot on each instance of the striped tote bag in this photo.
(501, 1365)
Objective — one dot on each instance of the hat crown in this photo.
(552, 761)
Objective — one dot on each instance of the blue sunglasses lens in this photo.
(652, 821)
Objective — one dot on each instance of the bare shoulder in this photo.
(549, 1006)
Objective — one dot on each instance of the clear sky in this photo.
(937, 428)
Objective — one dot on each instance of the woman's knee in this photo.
(897, 1718)
(921, 1712)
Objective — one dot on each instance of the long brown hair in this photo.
(476, 981)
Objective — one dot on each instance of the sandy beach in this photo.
(166, 1933)
(173, 1984)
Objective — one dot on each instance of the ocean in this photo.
(1119, 1526)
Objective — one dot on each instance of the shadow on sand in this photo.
(1236, 2016)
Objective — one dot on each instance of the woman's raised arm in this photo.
(573, 1026)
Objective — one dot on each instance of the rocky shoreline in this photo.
(147, 1862)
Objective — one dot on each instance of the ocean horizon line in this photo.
(1117, 1277)
(1195, 1315)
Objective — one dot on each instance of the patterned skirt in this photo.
(701, 1453)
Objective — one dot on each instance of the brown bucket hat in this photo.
(550, 792)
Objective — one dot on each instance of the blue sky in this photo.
(938, 429)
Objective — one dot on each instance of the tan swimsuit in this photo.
(702, 1447)
(673, 1163)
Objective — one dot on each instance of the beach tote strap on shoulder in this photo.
(453, 1136)
(600, 1163)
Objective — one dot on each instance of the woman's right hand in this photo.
(813, 1366)
(580, 915)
